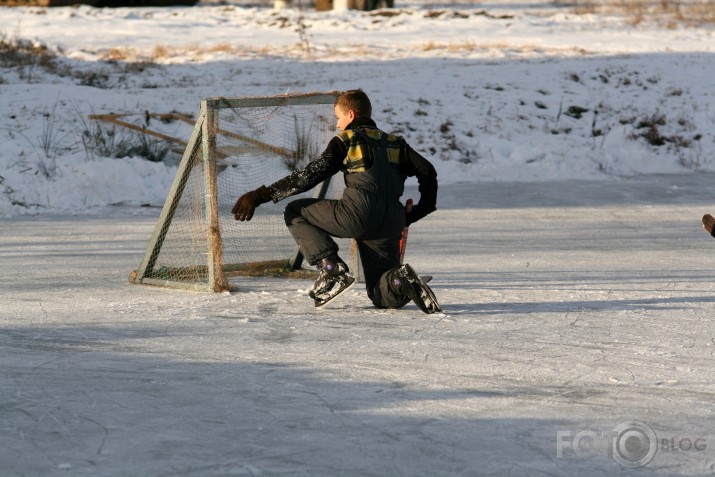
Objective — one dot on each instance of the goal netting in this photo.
(237, 145)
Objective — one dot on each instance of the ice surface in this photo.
(569, 308)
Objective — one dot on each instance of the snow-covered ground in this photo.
(497, 91)
(575, 154)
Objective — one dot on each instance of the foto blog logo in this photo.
(631, 444)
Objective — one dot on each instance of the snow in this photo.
(575, 276)
(484, 91)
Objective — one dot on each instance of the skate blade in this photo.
(321, 303)
(425, 298)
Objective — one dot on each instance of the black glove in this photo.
(417, 212)
(247, 203)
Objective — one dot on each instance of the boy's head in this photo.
(350, 105)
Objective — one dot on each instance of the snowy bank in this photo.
(498, 94)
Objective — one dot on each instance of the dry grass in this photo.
(19, 52)
(525, 50)
(120, 54)
(166, 53)
(670, 12)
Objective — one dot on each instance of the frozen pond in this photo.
(571, 309)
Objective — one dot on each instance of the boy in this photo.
(375, 166)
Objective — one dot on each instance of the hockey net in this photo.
(237, 145)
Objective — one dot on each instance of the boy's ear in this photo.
(351, 114)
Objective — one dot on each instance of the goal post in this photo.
(237, 145)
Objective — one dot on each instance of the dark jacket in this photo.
(336, 158)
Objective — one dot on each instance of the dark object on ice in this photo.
(709, 224)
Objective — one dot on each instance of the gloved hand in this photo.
(415, 213)
(409, 216)
(247, 203)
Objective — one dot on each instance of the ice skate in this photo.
(333, 280)
(410, 284)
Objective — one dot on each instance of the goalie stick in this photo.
(403, 239)
(403, 242)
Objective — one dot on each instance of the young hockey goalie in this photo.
(375, 166)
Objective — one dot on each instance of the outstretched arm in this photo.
(314, 173)
(299, 181)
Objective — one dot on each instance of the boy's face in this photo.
(344, 117)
